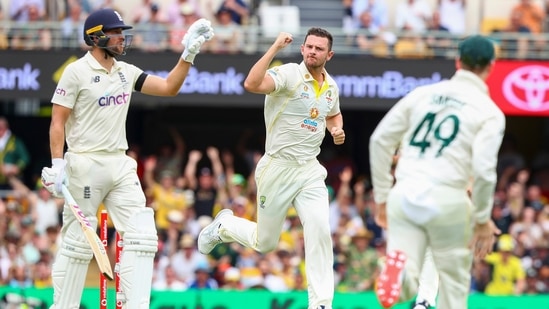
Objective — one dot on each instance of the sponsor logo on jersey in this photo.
(109, 100)
(61, 92)
(310, 125)
(314, 112)
(262, 200)
(329, 97)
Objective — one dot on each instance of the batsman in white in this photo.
(301, 104)
(450, 133)
(90, 106)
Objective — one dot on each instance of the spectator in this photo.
(21, 10)
(529, 16)
(289, 267)
(143, 13)
(20, 277)
(527, 229)
(56, 10)
(501, 216)
(441, 45)
(413, 15)
(105, 4)
(206, 185)
(452, 15)
(45, 211)
(480, 276)
(362, 264)
(344, 217)
(534, 198)
(515, 199)
(33, 33)
(238, 9)
(170, 281)
(174, 12)
(189, 14)
(435, 23)
(187, 259)
(370, 24)
(4, 44)
(543, 221)
(508, 276)
(161, 262)
(72, 28)
(171, 154)
(41, 276)
(228, 34)
(14, 156)
(165, 197)
(231, 279)
(170, 236)
(272, 281)
(153, 36)
(374, 11)
(203, 279)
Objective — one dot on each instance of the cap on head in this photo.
(506, 243)
(476, 51)
(100, 21)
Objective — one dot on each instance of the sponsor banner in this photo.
(365, 83)
(220, 299)
(521, 87)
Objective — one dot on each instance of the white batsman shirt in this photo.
(99, 101)
(295, 112)
(448, 132)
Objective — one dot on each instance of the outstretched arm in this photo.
(197, 34)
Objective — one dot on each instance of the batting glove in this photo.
(197, 34)
(54, 177)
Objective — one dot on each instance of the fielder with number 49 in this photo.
(90, 106)
(449, 133)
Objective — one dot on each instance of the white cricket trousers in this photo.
(94, 178)
(440, 217)
(428, 280)
(282, 184)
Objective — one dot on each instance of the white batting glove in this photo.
(53, 178)
(198, 33)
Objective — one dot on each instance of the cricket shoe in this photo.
(389, 282)
(209, 236)
(421, 305)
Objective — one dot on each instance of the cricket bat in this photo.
(91, 236)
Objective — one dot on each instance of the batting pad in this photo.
(136, 263)
(69, 274)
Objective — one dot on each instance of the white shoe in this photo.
(421, 305)
(209, 236)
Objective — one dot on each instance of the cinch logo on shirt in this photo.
(114, 99)
(310, 125)
(60, 91)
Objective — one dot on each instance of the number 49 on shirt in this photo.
(430, 130)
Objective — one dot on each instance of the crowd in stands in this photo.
(187, 187)
(413, 28)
